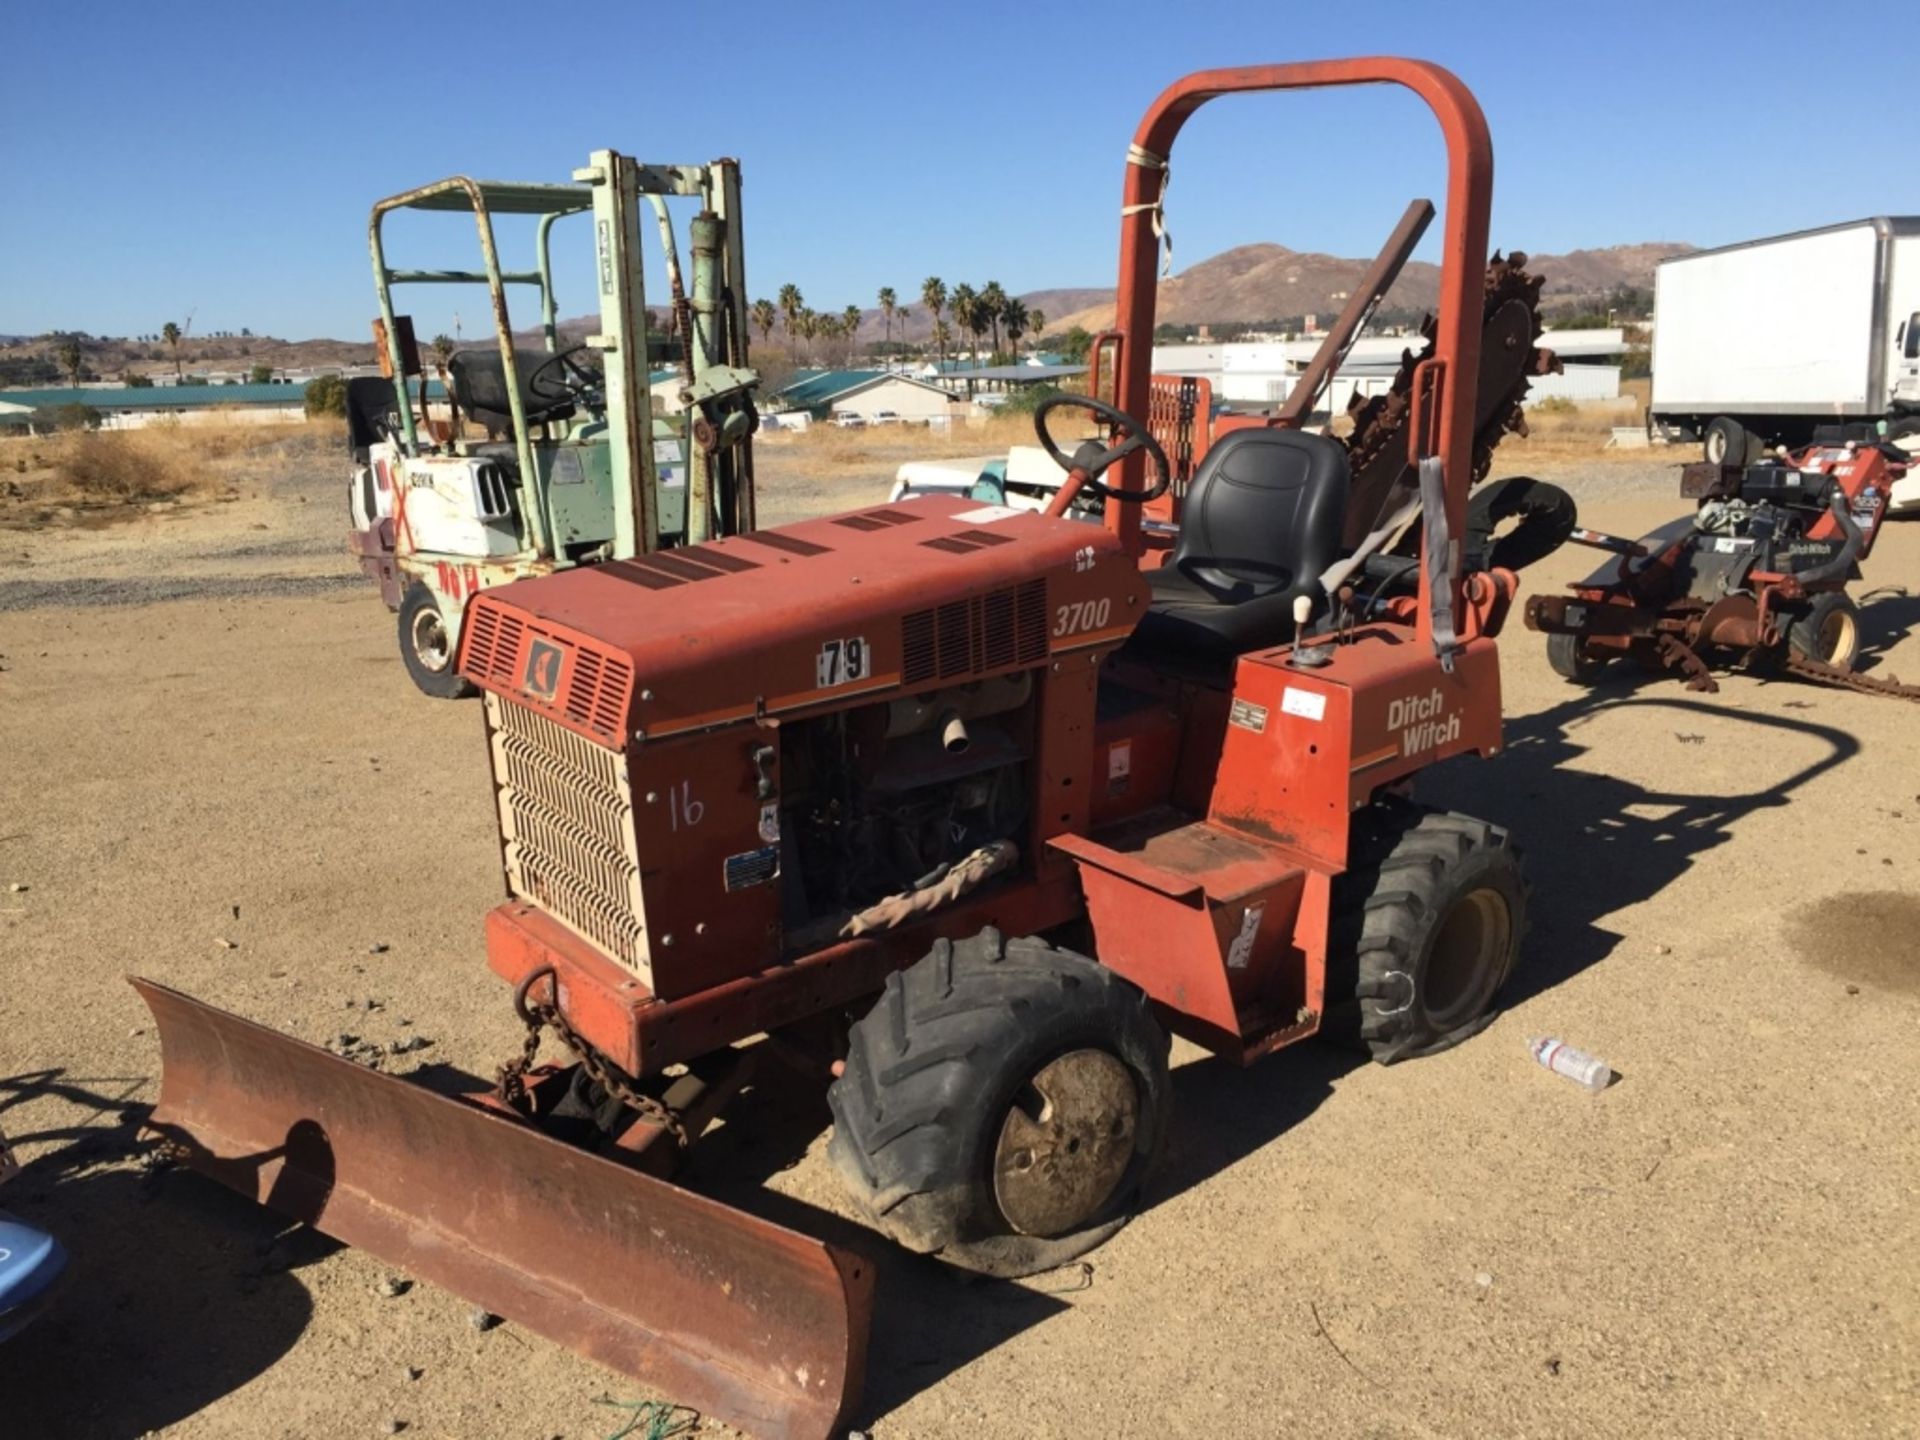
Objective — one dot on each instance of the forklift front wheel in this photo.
(426, 646)
(1829, 631)
(1426, 930)
(1571, 660)
(1002, 1105)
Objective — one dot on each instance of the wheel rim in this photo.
(1716, 447)
(1837, 633)
(428, 634)
(1466, 953)
(1066, 1143)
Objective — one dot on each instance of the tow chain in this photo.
(511, 1079)
(1808, 668)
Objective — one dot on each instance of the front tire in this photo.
(1002, 1105)
(426, 646)
(1829, 631)
(1426, 929)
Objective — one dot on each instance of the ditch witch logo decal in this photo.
(1422, 722)
(542, 676)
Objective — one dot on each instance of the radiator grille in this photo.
(599, 685)
(566, 827)
(985, 632)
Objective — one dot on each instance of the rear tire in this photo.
(1727, 442)
(426, 648)
(1571, 660)
(1829, 631)
(1426, 929)
(1002, 1105)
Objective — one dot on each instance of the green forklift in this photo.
(539, 454)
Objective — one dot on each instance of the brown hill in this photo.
(106, 359)
(1254, 283)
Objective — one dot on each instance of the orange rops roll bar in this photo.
(1456, 357)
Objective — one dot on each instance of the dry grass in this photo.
(106, 475)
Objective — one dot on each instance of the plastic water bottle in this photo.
(1589, 1072)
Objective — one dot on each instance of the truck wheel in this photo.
(1001, 1105)
(1571, 660)
(1426, 929)
(426, 647)
(1829, 631)
(1726, 442)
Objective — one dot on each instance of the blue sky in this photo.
(222, 158)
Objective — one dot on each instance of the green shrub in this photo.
(326, 396)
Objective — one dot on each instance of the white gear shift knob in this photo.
(1302, 611)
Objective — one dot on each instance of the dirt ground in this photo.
(216, 774)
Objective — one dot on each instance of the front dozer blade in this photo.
(737, 1317)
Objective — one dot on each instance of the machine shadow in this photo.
(1884, 622)
(1597, 843)
(177, 1291)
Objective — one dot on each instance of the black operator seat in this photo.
(479, 380)
(1261, 523)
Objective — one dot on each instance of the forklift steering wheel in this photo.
(1138, 437)
(574, 382)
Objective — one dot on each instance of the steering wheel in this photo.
(1138, 437)
(572, 380)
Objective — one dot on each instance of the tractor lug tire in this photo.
(1426, 929)
(1570, 659)
(967, 1047)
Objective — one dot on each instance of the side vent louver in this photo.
(986, 632)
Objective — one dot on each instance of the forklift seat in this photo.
(479, 380)
(1261, 522)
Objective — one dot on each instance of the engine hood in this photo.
(911, 596)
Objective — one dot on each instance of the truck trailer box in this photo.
(1757, 343)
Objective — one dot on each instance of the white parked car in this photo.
(846, 420)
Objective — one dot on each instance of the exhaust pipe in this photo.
(953, 733)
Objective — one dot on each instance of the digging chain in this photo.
(1376, 448)
(511, 1079)
(1678, 655)
(1821, 673)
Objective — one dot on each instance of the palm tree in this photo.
(791, 304)
(992, 301)
(850, 318)
(941, 336)
(809, 327)
(1014, 316)
(72, 359)
(764, 315)
(886, 311)
(964, 305)
(1036, 322)
(442, 353)
(170, 333)
(933, 295)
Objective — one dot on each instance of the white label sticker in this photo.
(1241, 950)
(668, 452)
(988, 514)
(770, 823)
(1120, 760)
(1307, 704)
(841, 662)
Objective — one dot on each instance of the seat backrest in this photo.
(479, 380)
(372, 412)
(1264, 514)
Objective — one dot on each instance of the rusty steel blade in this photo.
(739, 1318)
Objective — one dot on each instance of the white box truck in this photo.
(1757, 343)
